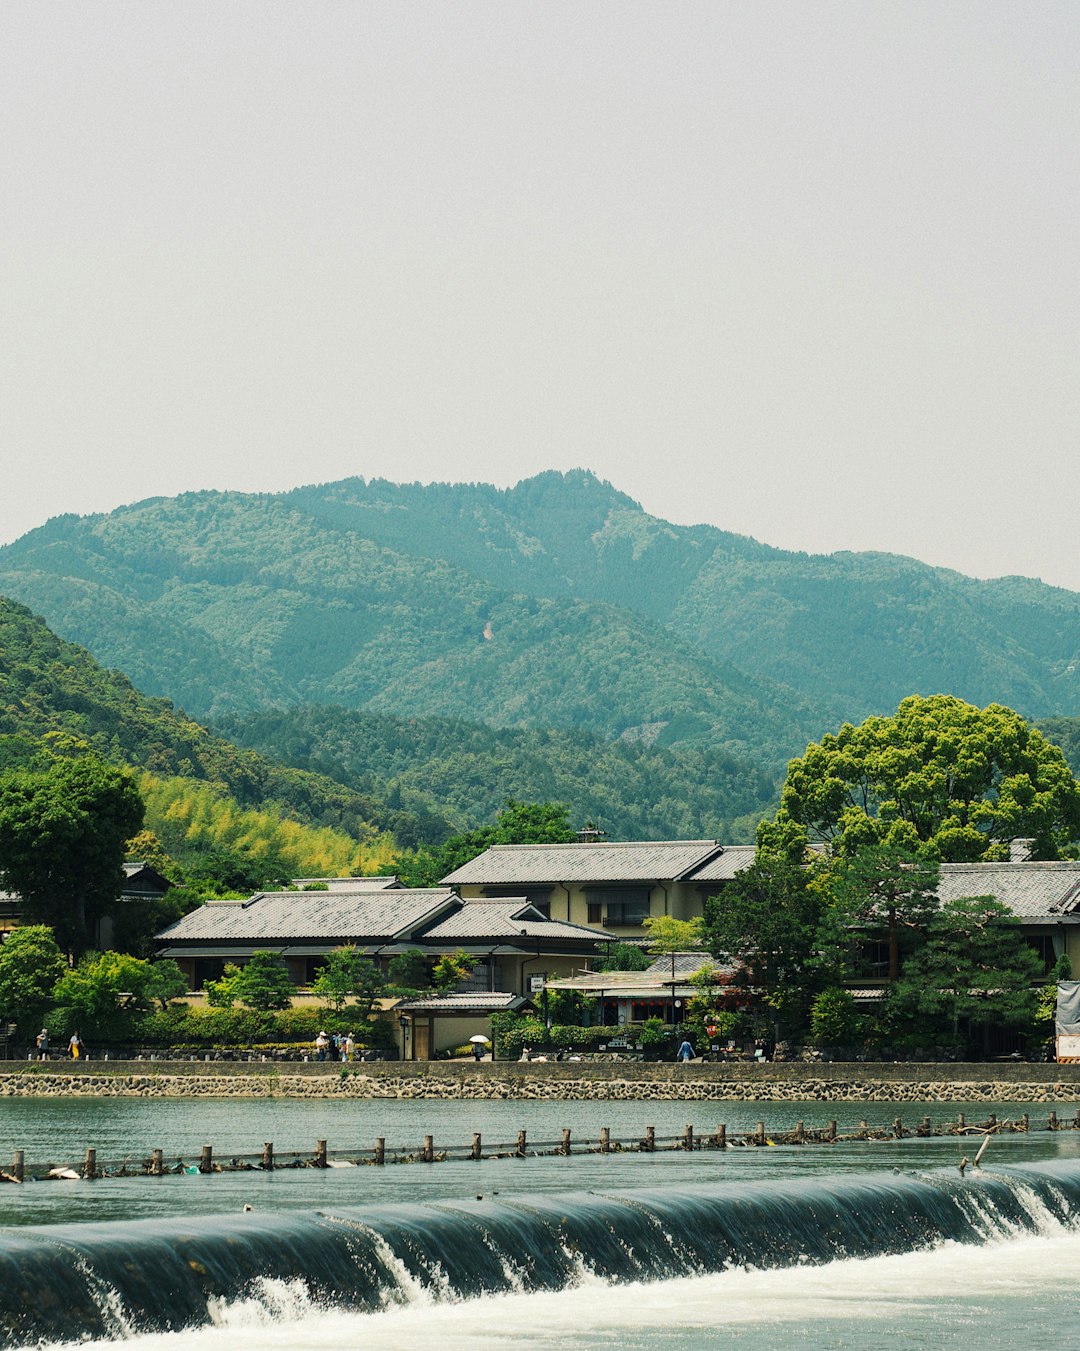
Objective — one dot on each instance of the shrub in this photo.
(833, 1019)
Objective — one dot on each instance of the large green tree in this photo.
(62, 836)
(765, 922)
(940, 777)
(30, 965)
(879, 890)
(975, 967)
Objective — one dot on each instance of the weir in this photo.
(116, 1279)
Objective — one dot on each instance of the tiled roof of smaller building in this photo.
(506, 919)
(1030, 890)
(608, 861)
(723, 867)
(472, 1002)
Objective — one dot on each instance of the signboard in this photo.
(536, 983)
(1068, 1046)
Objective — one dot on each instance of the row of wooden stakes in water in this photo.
(322, 1157)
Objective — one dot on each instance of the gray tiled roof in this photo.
(381, 883)
(283, 916)
(500, 919)
(686, 964)
(472, 1002)
(1030, 890)
(724, 866)
(620, 861)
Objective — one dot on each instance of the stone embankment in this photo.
(1019, 1083)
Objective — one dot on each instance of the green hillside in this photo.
(557, 603)
(228, 602)
(466, 772)
(53, 691)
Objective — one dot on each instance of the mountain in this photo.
(559, 602)
(52, 691)
(465, 771)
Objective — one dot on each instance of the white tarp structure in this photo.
(1067, 1020)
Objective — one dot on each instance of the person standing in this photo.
(75, 1046)
(686, 1051)
(41, 1041)
(322, 1042)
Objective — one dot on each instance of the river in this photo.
(860, 1244)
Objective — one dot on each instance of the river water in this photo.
(857, 1245)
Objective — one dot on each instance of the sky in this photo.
(804, 271)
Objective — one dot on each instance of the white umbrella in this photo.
(480, 1038)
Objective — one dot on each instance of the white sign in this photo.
(536, 984)
(1068, 1046)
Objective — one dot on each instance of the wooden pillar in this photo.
(1076, 1121)
(650, 1139)
(477, 1151)
(90, 1166)
(1052, 1122)
(1024, 1120)
(862, 1129)
(961, 1121)
(688, 1137)
(831, 1132)
(157, 1163)
(206, 1159)
(721, 1136)
(898, 1129)
(759, 1133)
(564, 1148)
(924, 1128)
(320, 1154)
(18, 1165)
(800, 1133)
(991, 1121)
(428, 1155)
(521, 1145)
(605, 1140)
(268, 1156)
(380, 1150)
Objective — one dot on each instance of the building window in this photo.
(618, 907)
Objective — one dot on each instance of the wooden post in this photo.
(521, 1145)
(90, 1166)
(759, 1134)
(898, 1129)
(268, 1156)
(862, 1129)
(1052, 1122)
(688, 1137)
(320, 1154)
(650, 1139)
(831, 1133)
(1024, 1122)
(18, 1165)
(1076, 1121)
(924, 1128)
(157, 1163)
(991, 1122)
(206, 1159)
(380, 1150)
(721, 1136)
(564, 1148)
(477, 1151)
(428, 1155)
(800, 1133)
(605, 1140)
(961, 1121)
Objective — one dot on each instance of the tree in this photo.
(517, 823)
(30, 965)
(765, 922)
(623, 957)
(165, 982)
(408, 972)
(880, 888)
(62, 834)
(347, 974)
(668, 937)
(939, 777)
(105, 991)
(975, 966)
(450, 970)
(263, 983)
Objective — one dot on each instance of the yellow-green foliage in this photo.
(192, 812)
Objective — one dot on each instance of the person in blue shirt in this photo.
(686, 1051)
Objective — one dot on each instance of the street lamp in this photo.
(403, 1022)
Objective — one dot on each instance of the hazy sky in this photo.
(807, 271)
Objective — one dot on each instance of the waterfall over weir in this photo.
(115, 1279)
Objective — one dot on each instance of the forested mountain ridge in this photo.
(558, 602)
(52, 692)
(227, 603)
(466, 772)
